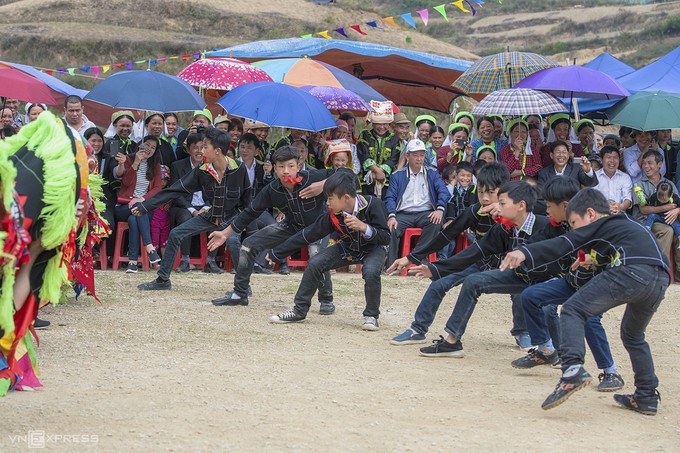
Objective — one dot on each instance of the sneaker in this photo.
(535, 358)
(257, 269)
(286, 317)
(154, 257)
(566, 387)
(409, 336)
(442, 348)
(229, 301)
(326, 308)
(523, 341)
(131, 268)
(610, 382)
(183, 267)
(370, 323)
(284, 269)
(40, 324)
(211, 267)
(646, 407)
(153, 285)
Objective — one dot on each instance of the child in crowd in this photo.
(477, 166)
(361, 221)
(637, 275)
(464, 193)
(662, 196)
(449, 177)
(160, 222)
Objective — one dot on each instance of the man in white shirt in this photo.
(614, 184)
(73, 114)
(632, 156)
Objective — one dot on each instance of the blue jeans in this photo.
(658, 218)
(137, 226)
(641, 288)
(552, 293)
(433, 297)
(317, 275)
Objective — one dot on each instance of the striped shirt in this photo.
(142, 184)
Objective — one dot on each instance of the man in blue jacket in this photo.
(416, 198)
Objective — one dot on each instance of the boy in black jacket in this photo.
(638, 276)
(286, 194)
(518, 225)
(226, 186)
(361, 222)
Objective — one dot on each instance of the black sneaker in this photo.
(646, 407)
(535, 358)
(211, 267)
(183, 267)
(229, 301)
(286, 317)
(610, 382)
(40, 324)
(442, 348)
(566, 387)
(131, 268)
(326, 308)
(257, 269)
(154, 257)
(284, 269)
(154, 285)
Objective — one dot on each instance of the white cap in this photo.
(415, 145)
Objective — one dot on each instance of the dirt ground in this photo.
(168, 371)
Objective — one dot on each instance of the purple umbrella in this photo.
(575, 81)
(338, 99)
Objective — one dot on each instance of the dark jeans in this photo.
(488, 282)
(181, 232)
(177, 217)
(332, 258)
(265, 239)
(433, 297)
(411, 220)
(136, 226)
(642, 288)
(555, 292)
(658, 218)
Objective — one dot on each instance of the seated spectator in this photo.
(235, 130)
(560, 129)
(485, 153)
(664, 139)
(200, 121)
(449, 177)
(536, 120)
(498, 126)
(351, 121)
(487, 138)
(585, 131)
(467, 119)
(611, 140)
(633, 155)
(535, 136)
(316, 150)
(424, 125)
(626, 137)
(141, 179)
(581, 171)
(13, 105)
(662, 197)
(460, 149)
(401, 127)
(464, 192)
(33, 110)
(515, 155)
(222, 123)
(416, 198)
(293, 136)
(615, 185)
(437, 137)
(261, 131)
(73, 114)
(599, 140)
(478, 165)
(171, 131)
(644, 190)
(342, 132)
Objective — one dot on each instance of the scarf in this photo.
(505, 222)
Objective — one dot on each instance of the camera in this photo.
(578, 160)
(462, 143)
(200, 129)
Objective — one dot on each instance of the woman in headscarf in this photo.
(424, 123)
(172, 130)
(437, 137)
(515, 155)
(33, 110)
(560, 130)
(459, 150)
(585, 131)
(487, 136)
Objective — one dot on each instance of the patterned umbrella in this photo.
(500, 71)
(519, 101)
(222, 73)
(338, 99)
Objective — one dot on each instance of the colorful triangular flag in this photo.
(341, 31)
(71, 71)
(374, 24)
(95, 71)
(129, 65)
(324, 34)
(474, 11)
(140, 61)
(441, 9)
(409, 19)
(306, 36)
(105, 68)
(358, 29)
(390, 20)
(425, 15)
(84, 68)
(459, 5)
(49, 72)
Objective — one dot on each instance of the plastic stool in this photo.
(409, 235)
(203, 256)
(103, 258)
(302, 262)
(119, 255)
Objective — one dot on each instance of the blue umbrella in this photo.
(146, 90)
(278, 105)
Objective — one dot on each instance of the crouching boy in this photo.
(361, 222)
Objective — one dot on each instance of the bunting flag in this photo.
(307, 36)
(341, 31)
(408, 18)
(459, 5)
(105, 68)
(390, 20)
(358, 29)
(71, 71)
(441, 9)
(84, 68)
(474, 11)
(424, 15)
(49, 72)
(374, 24)
(324, 34)
(129, 65)
(95, 71)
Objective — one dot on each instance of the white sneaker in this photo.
(370, 323)
(286, 317)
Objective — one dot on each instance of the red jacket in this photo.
(129, 181)
(530, 165)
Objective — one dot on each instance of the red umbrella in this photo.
(17, 84)
(222, 73)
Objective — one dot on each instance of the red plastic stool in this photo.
(462, 242)
(409, 234)
(103, 258)
(203, 256)
(302, 262)
(119, 255)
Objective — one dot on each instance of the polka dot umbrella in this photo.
(222, 73)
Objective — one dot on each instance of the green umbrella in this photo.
(647, 111)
